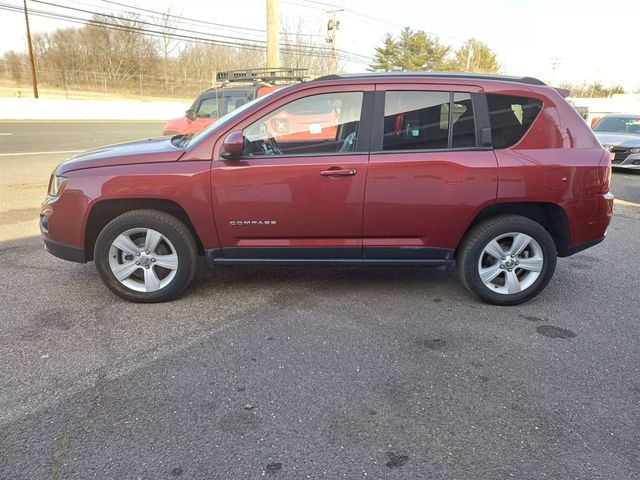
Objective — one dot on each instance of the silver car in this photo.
(620, 134)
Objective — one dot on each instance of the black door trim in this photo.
(363, 140)
(285, 253)
(426, 256)
(377, 122)
(481, 117)
(408, 253)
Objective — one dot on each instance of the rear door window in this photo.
(423, 120)
(511, 116)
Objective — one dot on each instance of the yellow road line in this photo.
(617, 201)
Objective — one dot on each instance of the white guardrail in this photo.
(12, 108)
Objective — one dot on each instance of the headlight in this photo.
(56, 185)
(634, 150)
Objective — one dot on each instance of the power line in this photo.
(303, 6)
(300, 49)
(115, 17)
(235, 38)
(313, 4)
(203, 22)
(294, 34)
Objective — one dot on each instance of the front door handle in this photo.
(338, 172)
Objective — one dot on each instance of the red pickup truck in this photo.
(217, 102)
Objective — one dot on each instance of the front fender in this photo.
(185, 183)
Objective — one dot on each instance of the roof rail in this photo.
(267, 75)
(425, 74)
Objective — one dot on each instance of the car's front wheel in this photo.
(146, 256)
(507, 260)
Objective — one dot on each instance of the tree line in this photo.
(114, 55)
(121, 58)
(414, 50)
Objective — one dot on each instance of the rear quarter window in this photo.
(511, 117)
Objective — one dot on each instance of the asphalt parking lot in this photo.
(309, 372)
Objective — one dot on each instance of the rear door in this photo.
(428, 172)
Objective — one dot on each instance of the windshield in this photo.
(629, 125)
(226, 118)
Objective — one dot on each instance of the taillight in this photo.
(604, 173)
(594, 120)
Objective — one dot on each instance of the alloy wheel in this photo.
(143, 259)
(510, 263)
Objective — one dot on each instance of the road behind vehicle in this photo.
(620, 134)
(391, 169)
(217, 102)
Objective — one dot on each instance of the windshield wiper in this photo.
(181, 140)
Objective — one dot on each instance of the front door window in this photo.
(314, 125)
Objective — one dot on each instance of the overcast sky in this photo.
(590, 40)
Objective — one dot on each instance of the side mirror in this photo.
(233, 146)
(190, 114)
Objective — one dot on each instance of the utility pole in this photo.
(332, 28)
(469, 55)
(33, 63)
(273, 34)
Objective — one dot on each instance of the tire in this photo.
(530, 270)
(153, 253)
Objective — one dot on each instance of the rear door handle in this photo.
(338, 172)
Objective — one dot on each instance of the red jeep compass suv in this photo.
(497, 174)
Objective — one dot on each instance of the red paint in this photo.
(292, 192)
(393, 199)
(432, 197)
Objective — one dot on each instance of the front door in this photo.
(298, 190)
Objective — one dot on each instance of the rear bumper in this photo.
(593, 230)
(66, 252)
(573, 249)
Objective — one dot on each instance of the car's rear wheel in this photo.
(146, 256)
(507, 260)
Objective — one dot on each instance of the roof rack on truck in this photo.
(262, 75)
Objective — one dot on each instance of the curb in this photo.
(625, 203)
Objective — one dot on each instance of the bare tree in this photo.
(167, 26)
(116, 54)
(14, 63)
(304, 47)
